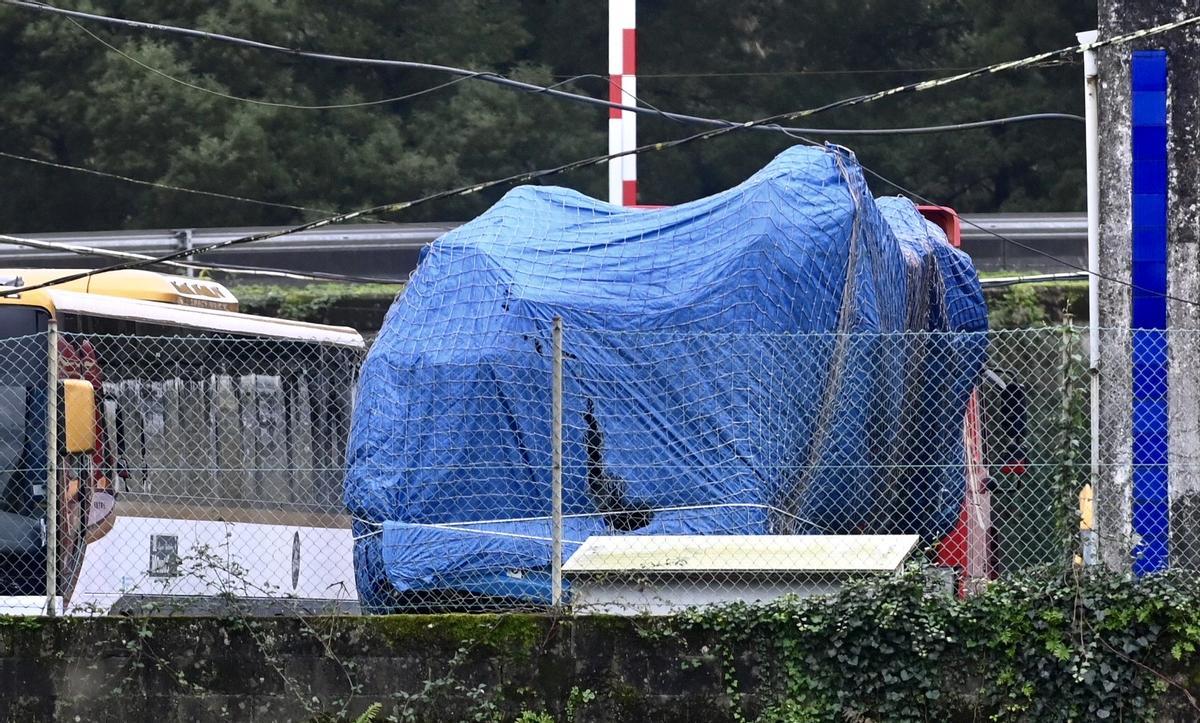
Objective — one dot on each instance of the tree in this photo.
(69, 99)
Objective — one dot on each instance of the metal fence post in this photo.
(51, 467)
(1091, 85)
(556, 465)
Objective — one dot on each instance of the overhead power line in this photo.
(234, 269)
(243, 199)
(770, 121)
(881, 71)
(552, 90)
(161, 186)
(947, 128)
(835, 71)
(1045, 254)
(912, 130)
(776, 73)
(256, 101)
(466, 75)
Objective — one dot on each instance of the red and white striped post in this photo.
(622, 124)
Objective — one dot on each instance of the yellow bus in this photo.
(197, 451)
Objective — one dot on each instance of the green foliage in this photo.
(363, 305)
(578, 698)
(1049, 647)
(1018, 308)
(1019, 168)
(127, 120)
(1026, 306)
(69, 99)
(359, 305)
(1054, 646)
(1072, 467)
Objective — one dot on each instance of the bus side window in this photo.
(115, 439)
(227, 432)
(303, 454)
(263, 429)
(196, 446)
(206, 418)
(126, 398)
(326, 430)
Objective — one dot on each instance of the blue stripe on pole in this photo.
(1149, 276)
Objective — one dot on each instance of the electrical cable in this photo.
(234, 269)
(1034, 249)
(912, 130)
(329, 57)
(1088, 273)
(613, 84)
(162, 186)
(571, 79)
(227, 268)
(768, 124)
(255, 101)
(169, 187)
(468, 75)
(595, 160)
(949, 127)
(467, 190)
(844, 71)
(288, 273)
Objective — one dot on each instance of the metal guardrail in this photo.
(393, 248)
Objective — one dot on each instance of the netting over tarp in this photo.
(734, 365)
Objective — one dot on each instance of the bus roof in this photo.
(128, 284)
(194, 304)
(230, 322)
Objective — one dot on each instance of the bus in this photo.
(196, 452)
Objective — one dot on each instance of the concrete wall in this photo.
(419, 668)
(422, 668)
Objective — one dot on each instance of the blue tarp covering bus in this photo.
(740, 364)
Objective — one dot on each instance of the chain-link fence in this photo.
(24, 474)
(704, 467)
(605, 471)
(190, 470)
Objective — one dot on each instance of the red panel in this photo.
(947, 220)
(615, 95)
(629, 193)
(629, 46)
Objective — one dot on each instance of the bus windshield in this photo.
(21, 321)
(12, 430)
(22, 373)
(22, 447)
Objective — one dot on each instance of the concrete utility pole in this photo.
(1148, 488)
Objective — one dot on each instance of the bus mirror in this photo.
(79, 416)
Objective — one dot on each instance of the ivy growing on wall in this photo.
(1072, 646)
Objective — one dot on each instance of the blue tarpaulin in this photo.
(739, 364)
